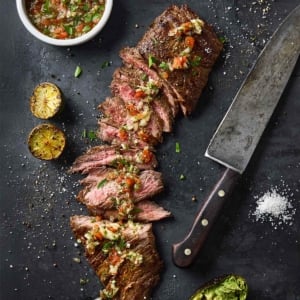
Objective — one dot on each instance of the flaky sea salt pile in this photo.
(274, 207)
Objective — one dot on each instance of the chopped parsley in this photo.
(177, 147)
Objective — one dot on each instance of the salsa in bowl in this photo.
(64, 22)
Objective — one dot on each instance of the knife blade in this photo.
(238, 134)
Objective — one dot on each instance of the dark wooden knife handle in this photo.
(186, 251)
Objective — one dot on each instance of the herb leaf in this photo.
(102, 183)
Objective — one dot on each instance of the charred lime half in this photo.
(46, 100)
(46, 142)
(229, 287)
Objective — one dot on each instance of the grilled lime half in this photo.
(46, 142)
(46, 100)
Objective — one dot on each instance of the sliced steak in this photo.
(107, 132)
(185, 47)
(110, 188)
(144, 211)
(114, 155)
(123, 256)
(133, 118)
(134, 87)
(133, 58)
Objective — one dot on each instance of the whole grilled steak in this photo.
(135, 87)
(114, 155)
(123, 256)
(182, 48)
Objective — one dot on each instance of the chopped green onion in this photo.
(182, 177)
(177, 147)
(86, 28)
(105, 64)
(77, 72)
(151, 61)
(165, 66)
(92, 135)
(222, 39)
(84, 135)
(102, 183)
(196, 61)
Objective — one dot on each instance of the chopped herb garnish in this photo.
(77, 72)
(107, 246)
(144, 77)
(92, 135)
(222, 39)
(164, 65)
(102, 183)
(84, 134)
(105, 64)
(151, 61)
(177, 147)
(196, 61)
(182, 177)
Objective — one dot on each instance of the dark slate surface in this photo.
(37, 198)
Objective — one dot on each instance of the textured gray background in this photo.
(37, 199)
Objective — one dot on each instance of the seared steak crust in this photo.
(129, 272)
(157, 42)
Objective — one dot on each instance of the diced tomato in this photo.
(180, 62)
(130, 182)
(189, 41)
(97, 235)
(144, 136)
(139, 94)
(133, 111)
(188, 26)
(114, 257)
(79, 27)
(123, 134)
(147, 155)
(60, 33)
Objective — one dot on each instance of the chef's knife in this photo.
(239, 132)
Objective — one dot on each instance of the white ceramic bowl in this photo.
(67, 42)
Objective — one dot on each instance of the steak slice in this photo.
(133, 58)
(187, 50)
(133, 118)
(144, 211)
(124, 137)
(124, 256)
(107, 188)
(130, 83)
(114, 155)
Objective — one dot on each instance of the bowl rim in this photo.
(67, 42)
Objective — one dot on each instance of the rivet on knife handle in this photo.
(186, 251)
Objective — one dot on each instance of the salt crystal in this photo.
(274, 207)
